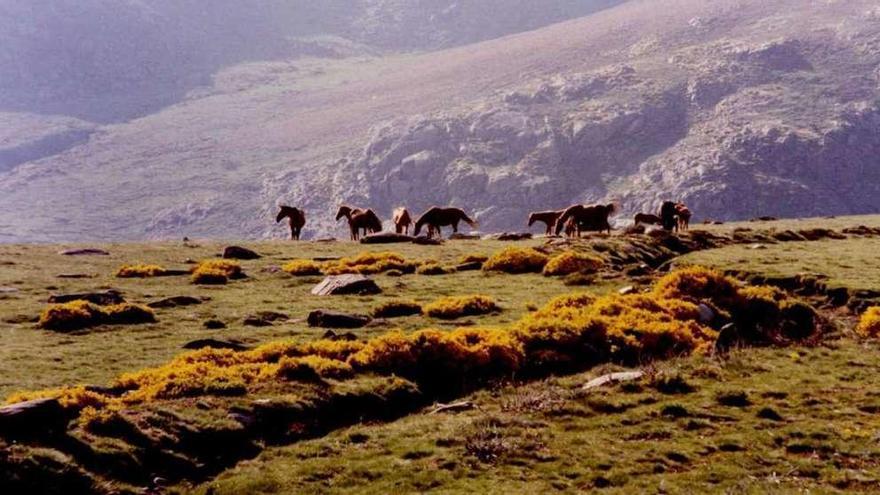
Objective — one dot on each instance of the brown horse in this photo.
(297, 220)
(648, 219)
(572, 228)
(437, 217)
(402, 220)
(684, 216)
(547, 217)
(359, 220)
(587, 217)
(669, 215)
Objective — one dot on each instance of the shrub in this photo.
(140, 271)
(302, 268)
(368, 263)
(312, 368)
(76, 315)
(449, 308)
(216, 272)
(516, 260)
(869, 323)
(433, 269)
(572, 262)
(473, 258)
(394, 309)
(697, 284)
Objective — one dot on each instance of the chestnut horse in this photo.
(684, 216)
(547, 217)
(402, 220)
(437, 217)
(587, 217)
(648, 219)
(297, 220)
(359, 220)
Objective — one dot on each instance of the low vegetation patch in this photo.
(433, 268)
(450, 308)
(302, 268)
(516, 260)
(216, 272)
(473, 258)
(869, 323)
(570, 262)
(140, 271)
(76, 315)
(369, 263)
(395, 309)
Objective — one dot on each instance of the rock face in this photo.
(731, 106)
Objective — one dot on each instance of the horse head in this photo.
(532, 219)
(285, 212)
(344, 211)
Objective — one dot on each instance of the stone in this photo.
(9, 290)
(234, 345)
(332, 319)
(85, 252)
(345, 337)
(34, 418)
(458, 236)
(175, 301)
(611, 378)
(469, 267)
(214, 324)
(386, 238)
(239, 253)
(706, 313)
(629, 289)
(76, 275)
(264, 319)
(349, 284)
(102, 298)
(757, 246)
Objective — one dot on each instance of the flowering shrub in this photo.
(140, 271)
(216, 272)
(313, 367)
(368, 263)
(869, 323)
(473, 258)
(449, 308)
(76, 315)
(302, 268)
(394, 309)
(516, 260)
(570, 262)
(433, 268)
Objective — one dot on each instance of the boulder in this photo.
(214, 324)
(34, 418)
(629, 289)
(349, 284)
(332, 319)
(386, 238)
(235, 345)
(264, 319)
(102, 298)
(707, 314)
(175, 301)
(345, 337)
(239, 253)
(469, 267)
(85, 252)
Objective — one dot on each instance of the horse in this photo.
(359, 219)
(437, 217)
(647, 218)
(547, 217)
(684, 216)
(587, 217)
(669, 216)
(297, 220)
(402, 220)
(572, 229)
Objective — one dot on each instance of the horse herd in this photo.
(574, 220)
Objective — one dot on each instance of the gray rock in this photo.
(102, 298)
(240, 253)
(332, 319)
(175, 301)
(707, 314)
(235, 345)
(346, 285)
(35, 418)
(85, 252)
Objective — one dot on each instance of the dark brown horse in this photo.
(402, 220)
(572, 228)
(297, 220)
(359, 220)
(588, 217)
(648, 219)
(684, 216)
(669, 215)
(437, 217)
(547, 217)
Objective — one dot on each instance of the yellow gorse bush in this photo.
(570, 262)
(869, 323)
(368, 263)
(140, 271)
(393, 309)
(216, 271)
(516, 260)
(302, 268)
(76, 315)
(572, 330)
(449, 308)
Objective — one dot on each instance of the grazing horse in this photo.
(684, 216)
(572, 228)
(669, 216)
(359, 220)
(547, 217)
(402, 220)
(437, 217)
(648, 219)
(297, 220)
(587, 217)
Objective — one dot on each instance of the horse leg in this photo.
(455, 227)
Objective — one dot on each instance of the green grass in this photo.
(551, 436)
(31, 358)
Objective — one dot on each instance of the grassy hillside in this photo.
(784, 415)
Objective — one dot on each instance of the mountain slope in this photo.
(737, 107)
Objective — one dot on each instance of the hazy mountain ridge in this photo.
(737, 107)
